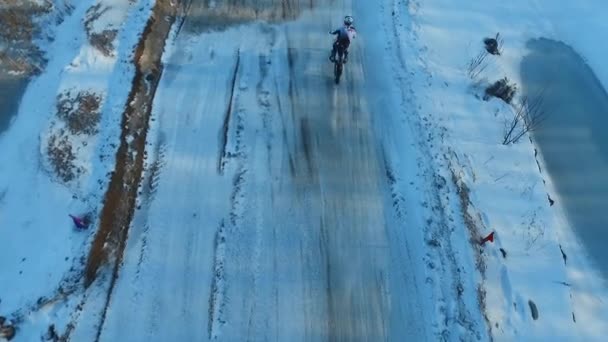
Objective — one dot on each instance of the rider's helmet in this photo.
(348, 20)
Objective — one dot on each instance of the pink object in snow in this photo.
(79, 222)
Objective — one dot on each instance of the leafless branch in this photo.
(477, 64)
(528, 117)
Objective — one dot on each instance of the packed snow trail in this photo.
(265, 211)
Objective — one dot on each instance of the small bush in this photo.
(494, 45)
(7, 332)
(501, 89)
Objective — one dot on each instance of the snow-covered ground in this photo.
(507, 191)
(277, 205)
(42, 253)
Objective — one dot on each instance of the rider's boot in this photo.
(332, 56)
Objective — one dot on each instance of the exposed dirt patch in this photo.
(119, 205)
(104, 39)
(80, 112)
(473, 226)
(469, 220)
(120, 198)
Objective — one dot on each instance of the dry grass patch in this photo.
(18, 29)
(62, 157)
(81, 112)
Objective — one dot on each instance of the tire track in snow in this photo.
(228, 231)
(224, 154)
(216, 298)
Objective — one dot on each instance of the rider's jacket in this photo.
(345, 34)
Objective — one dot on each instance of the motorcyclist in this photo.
(344, 36)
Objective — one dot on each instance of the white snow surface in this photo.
(315, 211)
(508, 194)
(42, 251)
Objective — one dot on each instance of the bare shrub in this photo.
(501, 89)
(7, 332)
(477, 64)
(528, 116)
(494, 45)
(81, 112)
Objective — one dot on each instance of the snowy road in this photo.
(267, 213)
